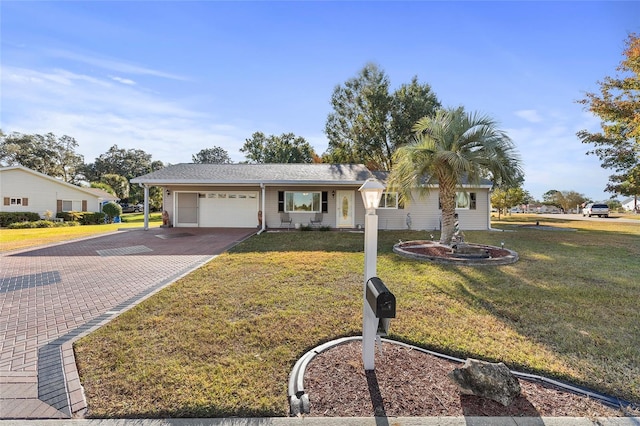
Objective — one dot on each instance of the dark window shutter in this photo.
(325, 202)
(84, 205)
(25, 201)
(280, 201)
(58, 206)
(472, 202)
(400, 203)
(7, 201)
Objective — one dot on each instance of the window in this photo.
(464, 200)
(71, 206)
(15, 201)
(302, 202)
(323, 205)
(389, 200)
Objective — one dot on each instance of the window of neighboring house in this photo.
(15, 201)
(464, 200)
(71, 205)
(308, 202)
(389, 200)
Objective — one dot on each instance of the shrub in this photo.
(69, 216)
(83, 218)
(92, 218)
(112, 210)
(41, 224)
(7, 218)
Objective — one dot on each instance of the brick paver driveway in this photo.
(50, 296)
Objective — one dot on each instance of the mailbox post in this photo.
(371, 192)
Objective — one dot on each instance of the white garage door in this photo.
(231, 209)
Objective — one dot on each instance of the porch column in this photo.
(146, 207)
(264, 204)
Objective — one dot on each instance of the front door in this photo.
(186, 209)
(344, 209)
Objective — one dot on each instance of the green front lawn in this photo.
(222, 341)
(15, 239)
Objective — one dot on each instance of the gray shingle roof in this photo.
(383, 176)
(257, 173)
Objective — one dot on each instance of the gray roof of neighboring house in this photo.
(185, 174)
(102, 194)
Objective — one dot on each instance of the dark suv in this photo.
(599, 210)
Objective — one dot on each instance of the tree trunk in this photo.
(448, 203)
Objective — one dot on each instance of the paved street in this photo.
(50, 296)
(593, 218)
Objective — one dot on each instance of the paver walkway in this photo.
(50, 296)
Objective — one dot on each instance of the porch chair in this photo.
(285, 218)
(317, 219)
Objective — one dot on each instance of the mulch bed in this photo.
(411, 383)
(437, 250)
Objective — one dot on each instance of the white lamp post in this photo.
(371, 192)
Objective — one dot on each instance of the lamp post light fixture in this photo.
(371, 192)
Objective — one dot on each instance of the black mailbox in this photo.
(381, 300)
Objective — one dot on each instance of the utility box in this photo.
(380, 299)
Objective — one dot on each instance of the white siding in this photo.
(42, 192)
(424, 212)
(426, 216)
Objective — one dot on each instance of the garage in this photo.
(228, 209)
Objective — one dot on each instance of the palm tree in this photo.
(448, 148)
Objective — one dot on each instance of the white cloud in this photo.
(113, 64)
(123, 80)
(531, 115)
(100, 113)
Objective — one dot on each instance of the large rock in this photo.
(487, 380)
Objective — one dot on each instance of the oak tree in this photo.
(618, 106)
(48, 154)
(286, 148)
(215, 155)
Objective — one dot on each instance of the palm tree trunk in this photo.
(448, 203)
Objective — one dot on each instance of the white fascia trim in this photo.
(173, 182)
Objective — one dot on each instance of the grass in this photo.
(15, 239)
(222, 340)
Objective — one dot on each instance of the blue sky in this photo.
(172, 78)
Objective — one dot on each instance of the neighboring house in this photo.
(256, 195)
(25, 190)
(630, 203)
(544, 208)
